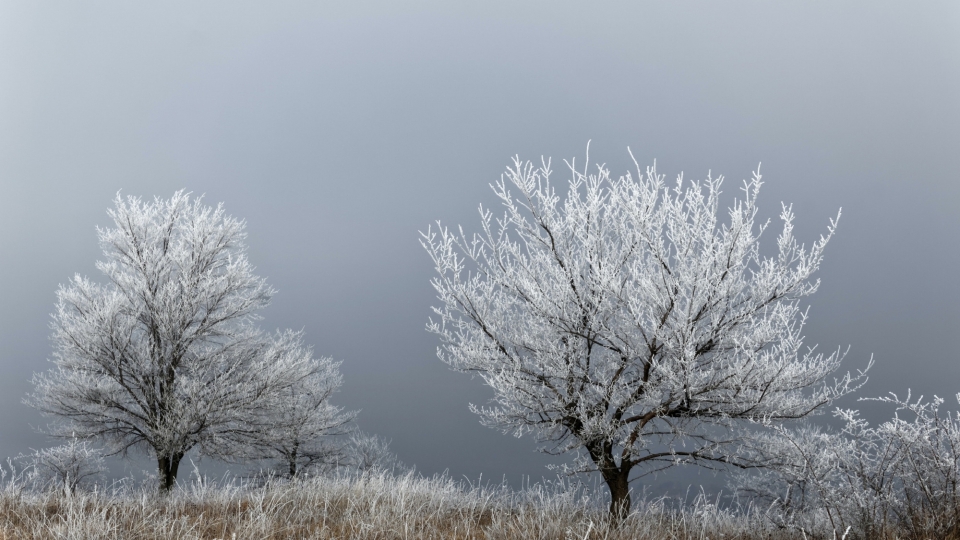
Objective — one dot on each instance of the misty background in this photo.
(338, 130)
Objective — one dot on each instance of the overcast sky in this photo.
(337, 130)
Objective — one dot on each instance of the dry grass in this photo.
(380, 506)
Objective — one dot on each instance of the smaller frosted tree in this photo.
(627, 323)
(367, 453)
(70, 466)
(304, 426)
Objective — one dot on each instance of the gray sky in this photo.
(338, 130)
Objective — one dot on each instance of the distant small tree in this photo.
(627, 321)
(367, 452)
(166, 355)
(69, 467)
(305, 428)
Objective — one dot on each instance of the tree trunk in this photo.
(619, 487)
(293, 459)
(617, 478)
(167, 471)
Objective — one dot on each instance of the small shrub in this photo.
(71, 466)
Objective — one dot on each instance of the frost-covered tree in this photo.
(302, 434)
(628, 322)
(165, 356)
(367, 452)
(70, 466)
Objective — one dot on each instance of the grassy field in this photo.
(380, 506)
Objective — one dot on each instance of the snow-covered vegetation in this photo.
(626, 324)
(370, 505)
(381, 503)
(71, 466)
(900, 478)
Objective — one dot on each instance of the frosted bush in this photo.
(71, 466)
(901, 476)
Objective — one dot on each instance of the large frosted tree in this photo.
(628, 323)
(165, 356)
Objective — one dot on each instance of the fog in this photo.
(339, 130)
